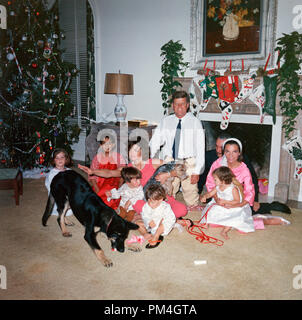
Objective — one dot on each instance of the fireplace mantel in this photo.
(282, 185)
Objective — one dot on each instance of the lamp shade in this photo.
(118, 83)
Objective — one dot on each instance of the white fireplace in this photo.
(275, 140)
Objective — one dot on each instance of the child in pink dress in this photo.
(106, 158)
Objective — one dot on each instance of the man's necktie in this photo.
(176, 140)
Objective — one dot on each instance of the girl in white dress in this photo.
(60, 161)
(129, 193)
(228, 192)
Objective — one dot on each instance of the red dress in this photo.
(111, 162)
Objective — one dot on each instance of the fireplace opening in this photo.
(256, 141)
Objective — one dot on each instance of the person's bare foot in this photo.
(147, 236)
(274, 221)
(225, 234)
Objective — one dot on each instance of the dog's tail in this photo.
(49, 206)
(275, 206)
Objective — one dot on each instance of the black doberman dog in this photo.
(69, 189)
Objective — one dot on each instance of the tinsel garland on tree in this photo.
(35, 103)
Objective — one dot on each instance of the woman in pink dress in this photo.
(232, 158)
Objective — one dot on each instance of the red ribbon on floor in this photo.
(196, 230)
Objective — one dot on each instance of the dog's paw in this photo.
(135, 248)
(107, 263)
(101, 256)
(66, 234)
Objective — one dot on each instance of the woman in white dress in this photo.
(228, 192)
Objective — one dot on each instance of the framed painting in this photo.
(240, 31)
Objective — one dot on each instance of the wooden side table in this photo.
(122, 134)
(12, 179)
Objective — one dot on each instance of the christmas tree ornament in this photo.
(24, 37)
(44, 81)
(26, 93)
(47, 52)
(52, 77)
(40, 43)
(15, 58)
(55, 91)
(10, 56)
(34, 65)
(294, 147)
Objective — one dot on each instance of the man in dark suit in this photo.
(213, 155)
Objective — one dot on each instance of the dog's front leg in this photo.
(90, 237)
(101, 256)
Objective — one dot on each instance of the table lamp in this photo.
(119, 84)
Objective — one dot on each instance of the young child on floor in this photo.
(61, 161)
(106, 158)
(157, 215)
(220, 211)
(130, 192)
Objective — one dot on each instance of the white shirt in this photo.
(163, 211)
(126, 193)
(192, 140)
(52, 173)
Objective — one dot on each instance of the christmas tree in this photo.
(35, 104)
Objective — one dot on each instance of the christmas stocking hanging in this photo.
(247, 87)
(210, 87)
(258, 98)
(226, 112)
(294, 147)
(227, 88)
(270, 86)
(197, 90)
